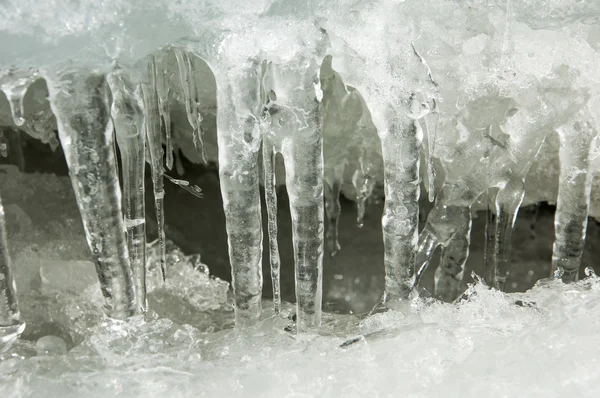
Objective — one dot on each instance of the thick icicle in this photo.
(238, 133)
(79, 101)
(128, 118)
(14, 84)
(10, 322)
(575, 182)
(296, 121)
(400, 148)
(334, 178)
(162, 91)
(155, 154)
(271, 201)
(192, 103)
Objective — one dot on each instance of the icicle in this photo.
(80, 103)
(239, 139)
(188, 85)
(333, 210)
(431, 137)
(400, 148)
(14, 84)
(430, 134)
(574, 186)
(508, 201)
(155, 152)
(162, 91)
(128, 118)
(10, 320)
(271, 201)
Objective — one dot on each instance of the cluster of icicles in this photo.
(289, 121)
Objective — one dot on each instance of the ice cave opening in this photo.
(299, 198)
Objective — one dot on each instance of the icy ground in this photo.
(539, 343)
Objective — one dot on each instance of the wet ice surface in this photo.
(539, 343)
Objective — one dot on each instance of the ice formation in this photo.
(452, 102)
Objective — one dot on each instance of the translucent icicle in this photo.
(589, 272)
(400, 150)
(508, 201)
(304, 182)
(271, 201)
(574, 186)
(80, 103)
(155, 154)
(162, 91)
(192, 103)
(128, 118)
(14, 84)
(3, 145)
(10, 321)
(297, 123)
(239, 143)
(333, 210)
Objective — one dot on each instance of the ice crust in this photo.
(539, 343)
